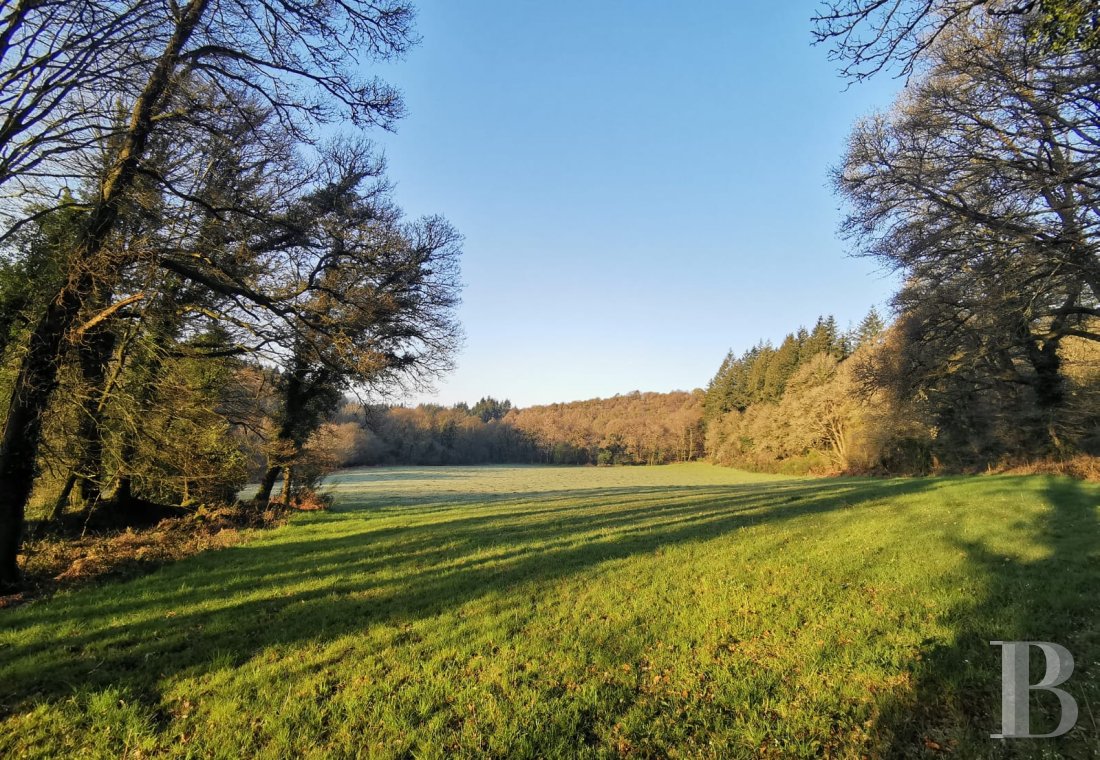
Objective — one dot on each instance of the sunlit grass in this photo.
(554, 612)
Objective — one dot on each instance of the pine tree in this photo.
(870, 329)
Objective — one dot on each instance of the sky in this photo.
(642, 186)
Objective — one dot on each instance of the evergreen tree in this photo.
(488, 408)
(870, 329)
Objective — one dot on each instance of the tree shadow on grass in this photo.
(954, 705)
(241, 600)
(627, 520)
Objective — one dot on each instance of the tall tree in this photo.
(981, 187)
(870, 329)
(381, 311)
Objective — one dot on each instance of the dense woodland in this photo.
(201, 257)
(634, 428)
(857, 404)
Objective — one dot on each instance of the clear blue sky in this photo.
(641, 185)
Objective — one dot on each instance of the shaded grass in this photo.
(527, 611)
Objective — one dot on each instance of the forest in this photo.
(632, 428)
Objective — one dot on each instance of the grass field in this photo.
(681, 611)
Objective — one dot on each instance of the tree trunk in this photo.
(63, 498)
(263, 496)
(123, 497)
(23, 426)
(95, 357)
(1050, 390)
(288, 445)
(89, 469)
(124, 493)
(287, 474)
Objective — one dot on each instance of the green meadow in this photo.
(676, 611)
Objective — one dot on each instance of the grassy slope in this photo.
(682, 610)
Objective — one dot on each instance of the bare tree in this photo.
(868, 36)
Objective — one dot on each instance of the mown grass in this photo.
(681, 611)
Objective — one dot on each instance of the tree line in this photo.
(850, 404)
(628, 429)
